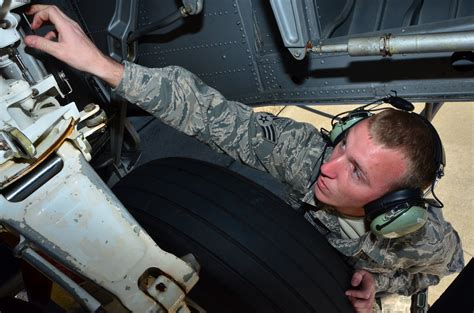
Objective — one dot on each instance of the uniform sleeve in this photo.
(403, 282)
(288, 150)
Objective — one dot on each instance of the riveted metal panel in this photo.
(235, 46)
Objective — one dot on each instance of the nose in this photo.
(330, 168)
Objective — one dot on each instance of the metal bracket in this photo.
(79, 137)
(430, 110)
(290, 19)
(83, 297)
(193, 7)
(123, 22)
(419, 302)
(168, 294)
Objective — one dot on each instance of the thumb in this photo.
(356, 279)
(42, 44)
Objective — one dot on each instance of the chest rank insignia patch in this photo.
(265, 121)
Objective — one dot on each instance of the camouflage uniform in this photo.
(292, 152)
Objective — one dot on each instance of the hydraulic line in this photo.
(387, 45)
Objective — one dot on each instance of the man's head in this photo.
(408, 133)
(388, 151)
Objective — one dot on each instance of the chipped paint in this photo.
(137, 229)
(75, 218)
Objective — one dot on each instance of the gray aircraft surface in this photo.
(150, 185)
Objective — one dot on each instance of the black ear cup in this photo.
(397, 213)
(394, 199)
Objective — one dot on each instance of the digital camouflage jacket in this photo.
(292, 152)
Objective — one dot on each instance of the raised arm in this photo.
(286, 149)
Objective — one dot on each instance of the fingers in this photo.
(361, 306)
(44, 14)
(357, 278)
(42, 44)
(51, 35)
(362, 298)
(32, 9)
(69, 44)
(360, 294)
(35, 8)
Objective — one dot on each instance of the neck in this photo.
(351, 212)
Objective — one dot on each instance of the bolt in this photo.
(5, 24)
(34, 92)
(90, 107)
(4, 145)
(161, 287)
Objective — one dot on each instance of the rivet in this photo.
(161, 287)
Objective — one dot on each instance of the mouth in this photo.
(321, 185)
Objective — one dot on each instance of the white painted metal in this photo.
(9, 35)
(74, 217)
(17, 3)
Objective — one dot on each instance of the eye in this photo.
(356, 173)
(343, 143)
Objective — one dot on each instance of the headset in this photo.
(402, 211)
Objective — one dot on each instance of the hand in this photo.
(363, 297)
(69, 43)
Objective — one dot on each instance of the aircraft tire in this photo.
(256, 253)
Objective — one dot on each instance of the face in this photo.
(359, 171)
